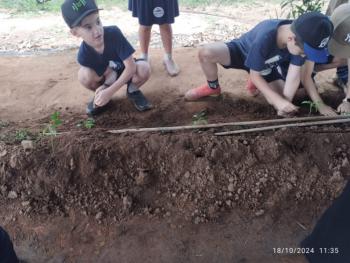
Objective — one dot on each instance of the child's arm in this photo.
(336, 62)
(283, 106)
(103, 94)
(344, 107)
(310, 87)
(292, 82)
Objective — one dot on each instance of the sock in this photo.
(213, 84)
(132, 88)
(144, 56)
(168, 56)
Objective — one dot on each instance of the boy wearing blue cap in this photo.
(265, 52)
(339, 49)
(105, 57)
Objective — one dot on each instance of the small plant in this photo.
(55, 122)
(51, 128)
(295, 8)
(200, 118)
(21, 135)
(89, 123)
(312, 105)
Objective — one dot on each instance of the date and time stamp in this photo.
(305, 250)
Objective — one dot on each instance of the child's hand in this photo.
(325, 110)
(102, 96)
(286, 109)
(344, 107)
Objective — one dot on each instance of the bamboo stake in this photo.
(301, 124)
(218, 125)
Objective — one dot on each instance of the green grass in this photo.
(31, 6)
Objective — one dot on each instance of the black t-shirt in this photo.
(260, 49)
(116, 50)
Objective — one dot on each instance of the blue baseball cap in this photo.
(313, 30)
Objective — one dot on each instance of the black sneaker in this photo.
(93, 110)
(139, 100)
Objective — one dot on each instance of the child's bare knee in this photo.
(205, 53)
(143, 72)
(86, 78)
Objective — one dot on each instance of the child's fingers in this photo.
(98, 90)
(96, 101)
(288, 111)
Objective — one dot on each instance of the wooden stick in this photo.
(217, 125)
(301, 124)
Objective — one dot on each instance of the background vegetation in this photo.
(296, 8)
(54, 5)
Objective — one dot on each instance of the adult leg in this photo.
(166, 34)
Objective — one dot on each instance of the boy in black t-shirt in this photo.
(264, 52)
(105, 57)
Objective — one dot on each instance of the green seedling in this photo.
(200, 118)
(55, 122)
(51, 128)
(312, 105)
(89, 123)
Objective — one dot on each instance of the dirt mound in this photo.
(194, 175)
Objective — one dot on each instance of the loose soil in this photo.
(87, 195)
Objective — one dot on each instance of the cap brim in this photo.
(83, 15)
(338, 50)
(316, 55)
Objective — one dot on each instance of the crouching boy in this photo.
(264, 52)
(105, 57)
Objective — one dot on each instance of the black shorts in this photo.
(151, 12)
(238, 58)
